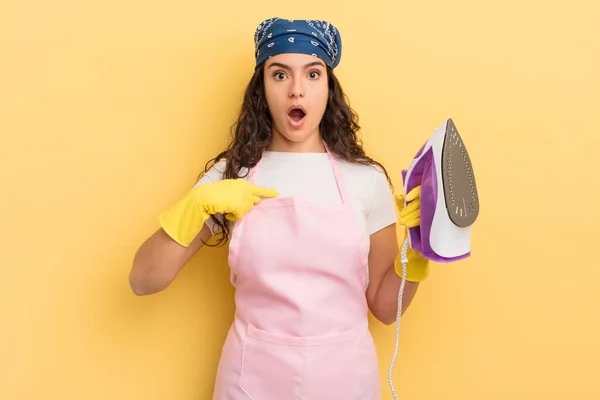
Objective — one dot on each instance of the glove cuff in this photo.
(183, 221)
(417, 268)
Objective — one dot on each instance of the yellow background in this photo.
(109, 110)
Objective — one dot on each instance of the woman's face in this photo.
(296, 89)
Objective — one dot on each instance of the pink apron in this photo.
(301, 324)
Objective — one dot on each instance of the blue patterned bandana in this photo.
(318, 38)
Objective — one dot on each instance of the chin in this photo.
(298, 136)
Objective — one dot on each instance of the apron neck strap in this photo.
(339, 177)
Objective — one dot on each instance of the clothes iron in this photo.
(449, 206)
(449, 200)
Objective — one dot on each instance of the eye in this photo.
(314, 74)
(279, 75)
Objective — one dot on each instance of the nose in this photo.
(297, 88)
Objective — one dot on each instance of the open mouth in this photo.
(296, 114)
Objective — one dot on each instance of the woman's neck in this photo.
(311, 144)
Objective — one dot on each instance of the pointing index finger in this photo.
(264, 192)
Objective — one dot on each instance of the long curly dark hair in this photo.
(252, 133)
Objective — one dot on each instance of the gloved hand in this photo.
(234, 197)
(417, 267)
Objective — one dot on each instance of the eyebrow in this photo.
(311, 64)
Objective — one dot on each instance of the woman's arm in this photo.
(384, 282)
(184, 229)
(159, 259)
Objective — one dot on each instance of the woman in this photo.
(310, 221)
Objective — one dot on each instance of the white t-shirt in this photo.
(310, 176)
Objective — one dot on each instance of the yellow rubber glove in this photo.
(417, 267)
(234, 197)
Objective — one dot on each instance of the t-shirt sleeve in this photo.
(214, 174)
(380, 207)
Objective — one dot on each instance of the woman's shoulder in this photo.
(214, 173)
(369, 185)
(364, 174)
